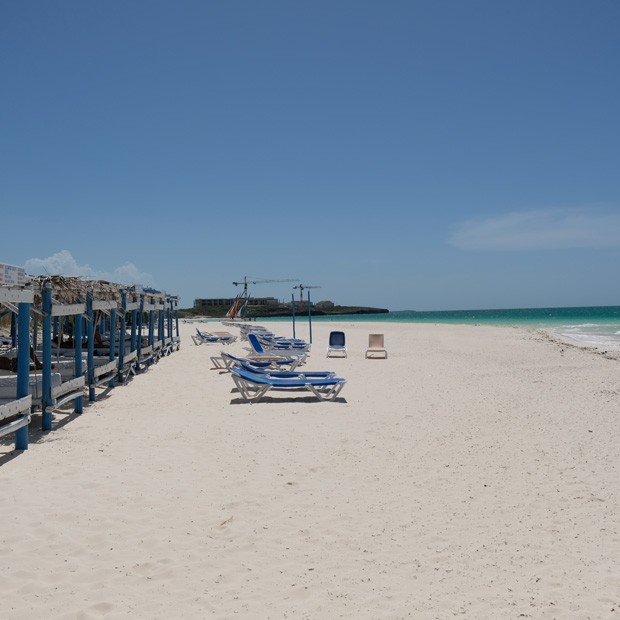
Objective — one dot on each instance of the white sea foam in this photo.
(592, 335)
(590, 326)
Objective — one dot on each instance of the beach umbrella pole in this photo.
(309, 317)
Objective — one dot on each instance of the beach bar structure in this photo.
(78, 335)
(62, 304)
(158, 327)
(15, 412)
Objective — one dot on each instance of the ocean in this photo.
(597, 326)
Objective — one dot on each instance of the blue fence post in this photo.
(123, 331)
(140, 323)
(46, 400)
(151, 327)
(23, 367)
(77, 343)
(160, 326)
(169, 317)
(176, 316)
(113, 333)
(91, 346)
(134, 325)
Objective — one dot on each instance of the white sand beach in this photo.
(474, 473)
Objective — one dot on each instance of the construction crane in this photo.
(243, 298)
(258, 281)
(302, 288)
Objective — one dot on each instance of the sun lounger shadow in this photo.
(286, 399)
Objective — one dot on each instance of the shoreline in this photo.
(590, 327)
(472, 472)
(609, 352)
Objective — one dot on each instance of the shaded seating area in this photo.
(153, 332)
(73, 336)
(15, 418)
(376, 347)
(67, 307)
(15, 411)
(8, 386)
(155, 338)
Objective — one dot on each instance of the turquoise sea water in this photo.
(592, 326)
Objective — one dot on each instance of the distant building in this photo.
(206, 303)
(218, 301)
(263, 301)
(324, 305)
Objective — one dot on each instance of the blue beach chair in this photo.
(274, 342)
(208, 338)
(253, 386)
(284, 374)
(259, 351)
(337, 345)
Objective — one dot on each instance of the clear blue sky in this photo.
(403, 154)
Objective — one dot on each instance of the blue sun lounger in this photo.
(272, 342)
(208, 338)
(225, 360)
(284, 374)
(259, 351)
(253, 387)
